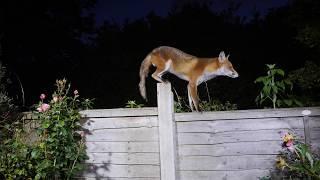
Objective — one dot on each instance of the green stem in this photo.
(74, 162)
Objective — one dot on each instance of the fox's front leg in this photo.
(190, 98)
(193, 96)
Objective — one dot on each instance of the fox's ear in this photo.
(222, 56)
(228, 56)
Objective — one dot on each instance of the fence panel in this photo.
(238, 144)
(122, 144)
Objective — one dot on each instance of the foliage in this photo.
(180, 105)
(275, 89)
(216, 105)
(5, 101)
(307, 81)
(59, 149)
(304, 17)
(297, 161)
(14, 154)
(211, 105)
(133, 104)
(8, 111)
(15, 158)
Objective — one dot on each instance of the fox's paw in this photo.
(166, 81)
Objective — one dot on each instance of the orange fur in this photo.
(188, 67)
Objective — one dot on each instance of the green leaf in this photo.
(61, 123)
(298, 102)
(288, 102)
(310, 159)
(34, 154)
(279, 71)
(275, 89)
(270, 66)
(46, 124)
(266, 90)
(259, 79)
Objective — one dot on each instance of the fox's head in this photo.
(226, 68)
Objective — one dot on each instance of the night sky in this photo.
(120, 10)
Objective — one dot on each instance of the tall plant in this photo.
(60, 150)
(275, 88)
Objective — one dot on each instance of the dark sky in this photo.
(119, 10)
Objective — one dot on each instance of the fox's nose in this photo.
(235, 75)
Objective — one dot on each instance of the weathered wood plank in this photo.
(253, 174)
(236, 136)
(126, 134)
(120, 122)
(227, 163)
(124, 158)
(167, 133)
(120, 112)
(232, 149)
(246, 114)
(121, 171)
(315, 144)
(314, 122)
(240, 125)
(97, 147)
(314, 134)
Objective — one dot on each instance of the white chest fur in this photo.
(209, 75)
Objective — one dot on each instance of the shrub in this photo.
(307, 83)
(59, 151)
(211, 105)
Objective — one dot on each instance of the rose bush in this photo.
(59, 150)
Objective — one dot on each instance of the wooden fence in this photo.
(156, 143)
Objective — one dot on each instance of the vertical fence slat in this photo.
(167, 133)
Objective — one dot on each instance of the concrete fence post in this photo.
(167, 133)
(306, 124)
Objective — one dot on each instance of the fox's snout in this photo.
(234, 74)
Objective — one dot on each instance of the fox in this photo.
(190, 68)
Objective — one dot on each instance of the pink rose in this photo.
(43, 107)
(82, 134)
(42, 96)
(75, 92)
(290, 145)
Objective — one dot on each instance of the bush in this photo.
(59, 150)
(211, 105)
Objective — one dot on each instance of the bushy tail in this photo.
(144, 70)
